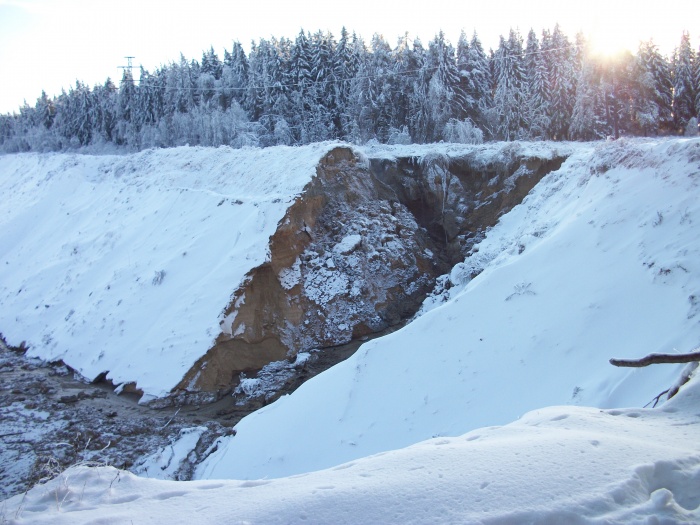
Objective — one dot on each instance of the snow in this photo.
(581, 272)
(123, 264)
(497, 404)
(290, 277)
(165, 463)
(561, 464)
(348, 244)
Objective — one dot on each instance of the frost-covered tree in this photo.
(211, 65)
(324, 82)
(181, 87)
(653, 101)
(478, 83)
(509, 95)
(684, 87)
(418, 104)
(697, 83)
(536, 89)
(45, 111)
(371, 93)
(342, 64)
(462, 63)
(75, 122)
(301, 94)
(446, 96)
(234, 76)
(404, 73)
(561, 83)
(617, 82)
(127, 112)
(148, 100)
(588, 118)
(105, 110)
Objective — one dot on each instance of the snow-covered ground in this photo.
(601, 260)
(563, 465)
(125, 263)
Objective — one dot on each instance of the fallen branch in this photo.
(656, 399)
(653, 359)
(170, 420)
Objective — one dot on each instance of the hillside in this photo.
(123, 264)
(173, 272)
(599, 260)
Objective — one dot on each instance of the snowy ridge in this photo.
(125, 263)
(600, 261)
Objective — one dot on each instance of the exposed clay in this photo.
(357, 252)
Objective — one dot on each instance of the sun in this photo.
(609, 44)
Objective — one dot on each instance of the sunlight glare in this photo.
(609, 44)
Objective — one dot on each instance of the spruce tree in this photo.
(561, 84)
(105, 115)
(684, 88)
(45, 111)
(445, 94)
(479, 83)
(536, 89)
(588, 116)
(419, 104)
(234, 76)
(510, 82)
(342, 63)
(653, 103)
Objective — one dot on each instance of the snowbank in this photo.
(601, 260)
(123, 264)
(556, 465)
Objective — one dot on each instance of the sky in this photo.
(49, 44)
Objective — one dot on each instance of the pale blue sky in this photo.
(48, 44)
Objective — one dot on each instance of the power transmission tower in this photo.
(129, 66)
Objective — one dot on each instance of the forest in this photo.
(315, 88)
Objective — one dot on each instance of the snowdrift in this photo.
(601, 260)
(562, 464)
(123, 264)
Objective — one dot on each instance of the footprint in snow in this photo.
(172, 494)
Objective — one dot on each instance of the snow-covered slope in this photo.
(601, 260)
(560, 465)
(124, 264)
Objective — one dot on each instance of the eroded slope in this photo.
(358, 251)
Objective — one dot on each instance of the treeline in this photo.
(316, 88)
